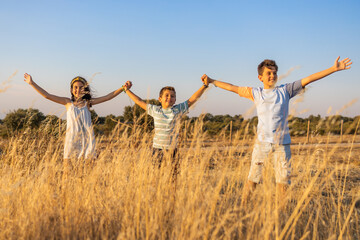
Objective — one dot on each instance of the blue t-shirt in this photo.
(166, 124)
(272, 107)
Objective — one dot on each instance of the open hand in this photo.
(28, 78)
(343, 64)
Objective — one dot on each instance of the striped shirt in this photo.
(167, 124)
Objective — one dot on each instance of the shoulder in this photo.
(69, 103)
(294, 88)
(282, 87)
(68, 100)
(184, 106)
(256, 90)
(153, 108)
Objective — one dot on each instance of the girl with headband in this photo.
(79, 139)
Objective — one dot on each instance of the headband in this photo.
(80, 79)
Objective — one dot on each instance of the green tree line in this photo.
(32, 120)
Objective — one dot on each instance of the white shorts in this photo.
(265, 153)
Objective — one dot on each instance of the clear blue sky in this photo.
(159, 43)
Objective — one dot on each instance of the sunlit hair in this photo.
(266, 63)
(87, 92)
(166, 88)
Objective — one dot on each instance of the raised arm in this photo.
(242, 91)
(198, 93)
(338, 66)
(136, 99)
(111, 95)
(223, 85)
(45, 94)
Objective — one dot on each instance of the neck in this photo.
(269, 87)
(163, 107)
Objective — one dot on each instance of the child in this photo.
(166, 119)
(272, 104)
(79, 139)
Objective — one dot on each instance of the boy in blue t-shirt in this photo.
(272, 105)
(166, 120)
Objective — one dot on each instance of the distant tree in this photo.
(101, 120)
(110, 122)
(238, 118)
(353, 126)
(94, 116)
(208, 117)
(314, 119)
(135, 114)
(50, 125)
(3, 130)
(23, 118)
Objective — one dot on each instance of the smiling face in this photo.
(167, 98)
(268, 77)
(77, 89)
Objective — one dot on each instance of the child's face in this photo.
(269, 77)
(167, 99)
(77, 89)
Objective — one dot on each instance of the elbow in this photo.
(190, 103)
(304, 83)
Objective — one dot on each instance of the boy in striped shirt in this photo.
(166, 120)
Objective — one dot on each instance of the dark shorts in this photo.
(160, 154)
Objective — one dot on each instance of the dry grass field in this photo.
(122, 196)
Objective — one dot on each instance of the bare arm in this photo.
(197, 95)
(111, 95)
(223, 85)
(338, 66)
(136, 99)
(245, 92)
(45, 94)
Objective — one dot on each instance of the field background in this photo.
(122, 196)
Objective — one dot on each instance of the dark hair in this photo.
(266, 63)
(166, 88)
(87, 91)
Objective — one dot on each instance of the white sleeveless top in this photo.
(79, 139)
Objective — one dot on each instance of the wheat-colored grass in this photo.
(122, 196)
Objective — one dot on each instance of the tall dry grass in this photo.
(122, 196)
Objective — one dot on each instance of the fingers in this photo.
(346, 63)
(27, 77)
(127, 85)
(203, 77)
(205, 80)
(337, 59)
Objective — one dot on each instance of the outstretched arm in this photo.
(245, 92)
(136, 99)
(198, 93)
(111, 95)
(338, 66)
(45, 94)
(223, 85)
